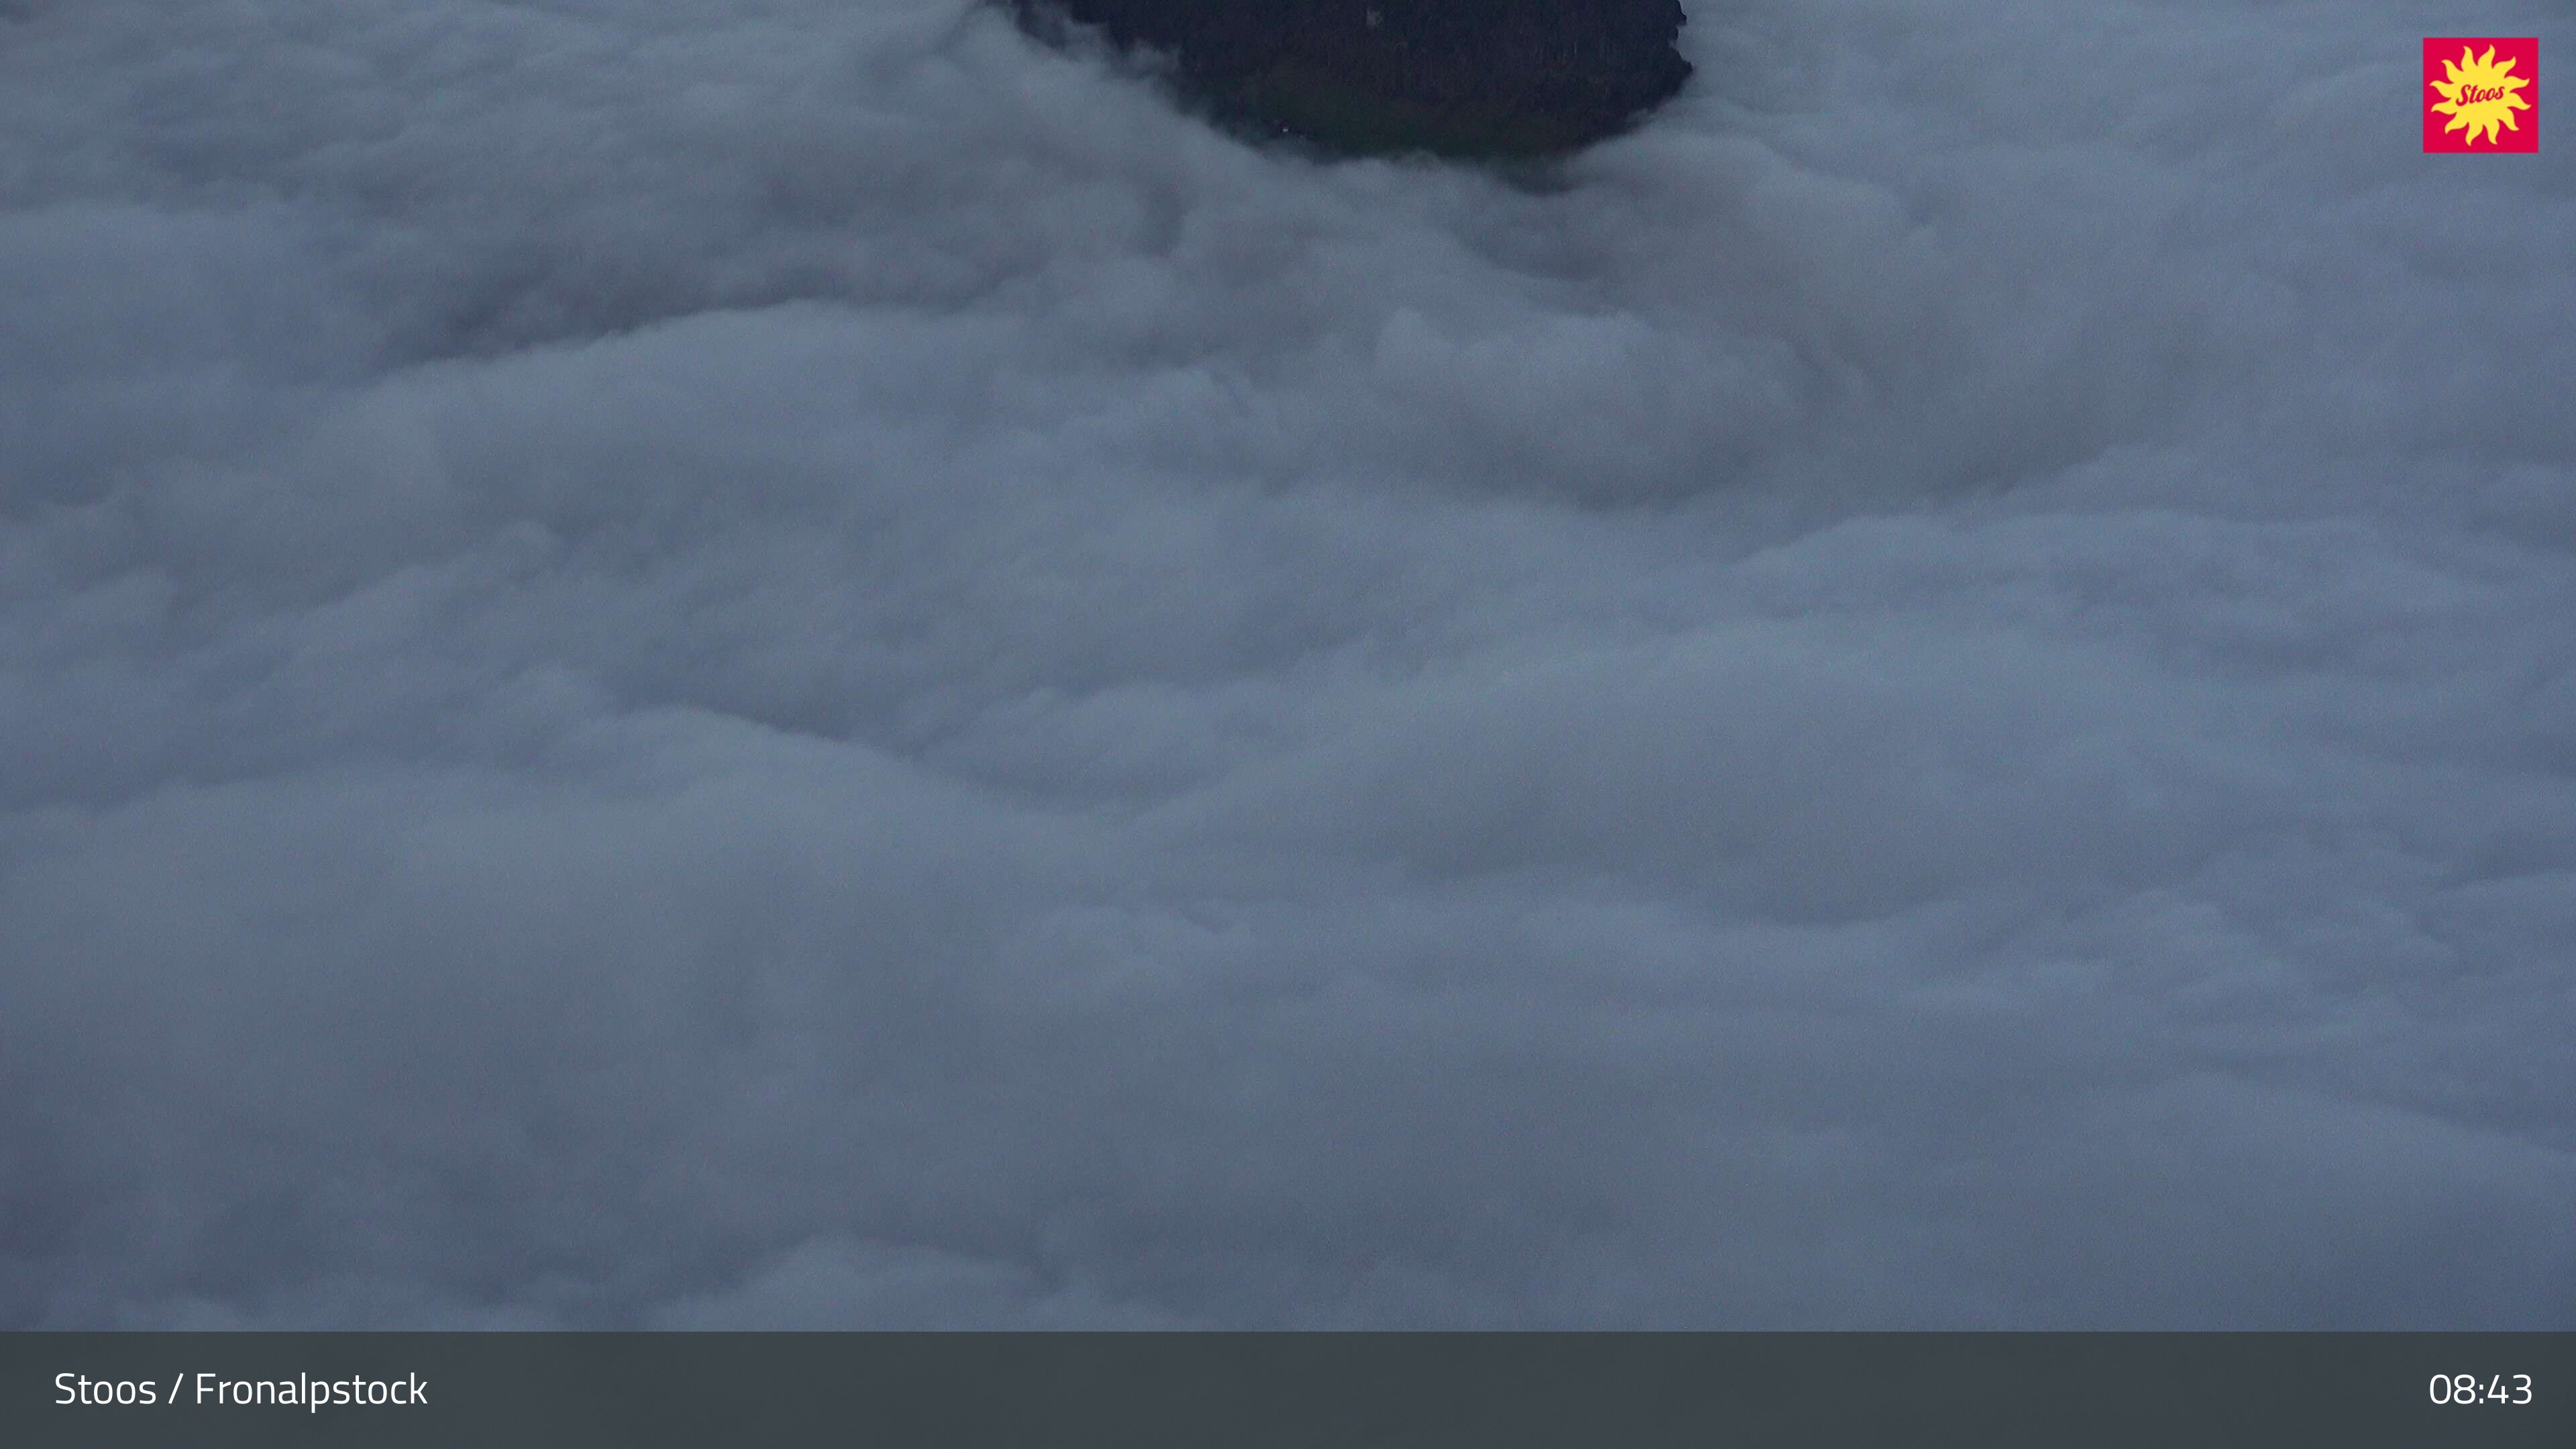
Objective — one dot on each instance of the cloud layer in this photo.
(792, 663)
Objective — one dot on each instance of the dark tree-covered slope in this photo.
(1459, 77)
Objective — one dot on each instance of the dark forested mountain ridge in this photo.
(1458, 77)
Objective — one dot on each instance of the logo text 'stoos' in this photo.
(2481, 94)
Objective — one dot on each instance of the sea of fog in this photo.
(794, 663)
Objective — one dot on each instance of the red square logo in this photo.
(2481, 93)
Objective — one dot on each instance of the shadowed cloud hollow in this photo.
(799, 663)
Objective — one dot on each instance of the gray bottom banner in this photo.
(1310, 1391)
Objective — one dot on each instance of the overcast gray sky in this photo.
(791, 663)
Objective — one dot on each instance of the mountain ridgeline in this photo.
(1495, 79)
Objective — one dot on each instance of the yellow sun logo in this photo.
(2479, 95)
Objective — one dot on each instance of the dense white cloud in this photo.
(790, 662)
